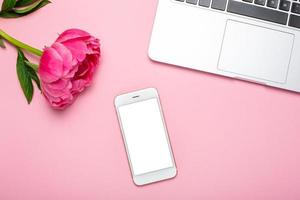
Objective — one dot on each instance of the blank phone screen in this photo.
(145, 136)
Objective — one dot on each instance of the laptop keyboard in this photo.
(284, 12)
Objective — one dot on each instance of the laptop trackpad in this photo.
(256, 52)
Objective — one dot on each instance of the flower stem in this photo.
(20, 44)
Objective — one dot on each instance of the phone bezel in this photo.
(154, 176)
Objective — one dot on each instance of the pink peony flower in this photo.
(68, 66)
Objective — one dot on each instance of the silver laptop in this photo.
(253, 40)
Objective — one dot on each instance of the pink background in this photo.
(231, 139)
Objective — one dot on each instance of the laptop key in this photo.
(219, 4)
(296, 8)
(249, 1)
(284, 5)
(204, 3)
(272, 3)
(257, 12)
(260, 2)
(294, 21)
(194, 2)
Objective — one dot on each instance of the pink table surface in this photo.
(231, 139)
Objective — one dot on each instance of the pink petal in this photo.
(86, 69)
(93, 45)
(55, 93)
(72, 73)
(83, 68)
(78, 49)
(72, 34)
(78, 86)
(49, 97)
(61, 104)
(66, 57)
(57, 89)
(51, 66)
(59, 84)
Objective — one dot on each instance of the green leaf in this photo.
(33, 75)
(8, 5)
(32, 69)
(20, 12)
(28, 8)
(22, 3)
(2, 45)
(31, 65)
(31, 8)
(24, 77)
(9, 14)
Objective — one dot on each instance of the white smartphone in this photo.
(145, 136)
